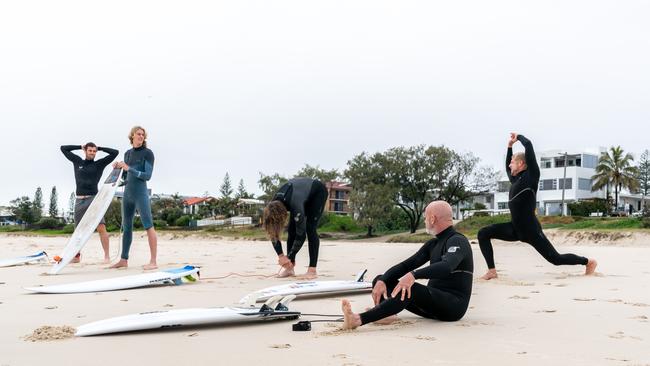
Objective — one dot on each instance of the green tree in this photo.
(615, 168)
(644, 176)
(23, 209)
(38, 203)
(241, 191)
(414, 176)
(71, 202)
(269, 184)
(54, 198)
(315, 172)
(226, 187)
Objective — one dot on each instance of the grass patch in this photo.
(410, 238)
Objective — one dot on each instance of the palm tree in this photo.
(615, 168)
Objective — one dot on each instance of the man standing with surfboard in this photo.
(449, 271)
(87, 173)
(138, 167)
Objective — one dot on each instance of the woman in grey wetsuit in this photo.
(138, 167)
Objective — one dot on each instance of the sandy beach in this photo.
(534, 314)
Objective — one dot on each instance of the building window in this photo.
(548, 185)
(546, 164)
(339, 195)
(589, 161)
(569, 183)
(584, 184)
(559, 163)
(503, 205)
(338, 206)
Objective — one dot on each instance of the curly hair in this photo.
(275, 217)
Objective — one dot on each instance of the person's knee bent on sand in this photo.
(450, 266)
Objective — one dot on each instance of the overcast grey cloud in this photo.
(250, 86)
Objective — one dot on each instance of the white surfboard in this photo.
(38, 257)
(89, 221)
(166, 277)
(274, 309)
(311, 288)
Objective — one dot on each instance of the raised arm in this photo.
(112, 154)
(67, 151)
(531, 159)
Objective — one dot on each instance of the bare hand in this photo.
(379, 291)
(513, 139)
(404, 286)
(122, 165)
(283, 260)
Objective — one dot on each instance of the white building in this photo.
(580, 168)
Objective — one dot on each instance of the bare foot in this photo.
(286, 271)
(310, 275)
(591, 267)
(150, 266)
(490, 274)
(106, 260)
(350, 319)
(123, 263)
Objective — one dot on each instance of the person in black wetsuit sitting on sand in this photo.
(523, 172)
(449, 271)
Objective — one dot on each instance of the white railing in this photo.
(233, 221)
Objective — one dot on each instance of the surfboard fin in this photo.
(177, 281)
(360, 275)
(283, 305)
(270, 304)
(190, 278)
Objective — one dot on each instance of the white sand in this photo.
(535, 314)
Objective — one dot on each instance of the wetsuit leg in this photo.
(505, 231)
(540, 242)
(424, 301)
(143, 206)
(313, 211)
(128, 212)
(291, 236)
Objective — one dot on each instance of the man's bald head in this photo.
(438, 217)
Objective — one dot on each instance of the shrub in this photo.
(68, 229)
(159, 223)
(586, 207)
(645, 222)
(49, 223)
(183, 220)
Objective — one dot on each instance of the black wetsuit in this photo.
(87, 173)
(446, 296)
(524, 225)
(305, 200)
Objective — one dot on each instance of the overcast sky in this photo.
(248, 86)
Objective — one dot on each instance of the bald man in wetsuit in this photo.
(449, 271)
(523, 173)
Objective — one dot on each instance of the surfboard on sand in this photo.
(89, 221)
(274, 309)
(311, 288)
(165, 277)
(38, 257)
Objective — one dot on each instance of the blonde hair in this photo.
(274, 218)
(134, 130)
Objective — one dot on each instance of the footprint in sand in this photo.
(51, 307)
(517, 297)
(584, 299)
(641, 318)
(621, 335)
(547, 311)
(534, 292)
(562, 285)
(281, 346)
